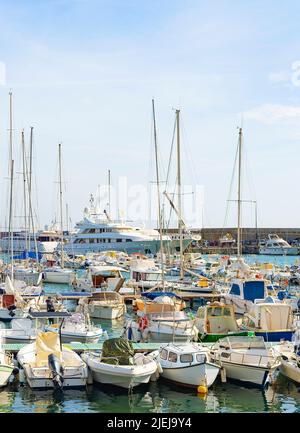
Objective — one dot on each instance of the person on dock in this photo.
(50, 308)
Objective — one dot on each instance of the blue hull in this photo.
(276, 335)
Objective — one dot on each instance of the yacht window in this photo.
(119, 240)
(91, 241)
(128, 240)
(201, 358)
(172, 357)
(108, 240)
(92, 230)
(187, 357)
(164, 354)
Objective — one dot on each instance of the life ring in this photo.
(143, 323)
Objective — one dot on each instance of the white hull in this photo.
(70, 382)
(279, 251)
(120, 375)
(192, 376)
(59, 277)
(246, 373)
(290, 370)
(5, 373)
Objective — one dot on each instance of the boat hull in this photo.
(5, 373)
(107, 312)
(192, 376)
(248, 374)
(290, 370)
(58, 278)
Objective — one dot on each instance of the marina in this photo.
(149, 215)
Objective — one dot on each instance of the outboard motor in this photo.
(11, 309)
(56, 370)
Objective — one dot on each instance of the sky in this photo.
(84, 72)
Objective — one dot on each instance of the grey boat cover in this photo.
(117, 351)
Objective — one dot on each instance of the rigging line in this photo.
(230, 190)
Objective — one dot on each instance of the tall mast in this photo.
(10, 219)
(24, 192)
(179, 194)
(61, 208)
(29, 174)
(239, 193)
(10, 150)
(158, 197)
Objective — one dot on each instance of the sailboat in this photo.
(59, 274)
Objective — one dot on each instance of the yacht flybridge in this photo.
(97, 232)
(277, 246)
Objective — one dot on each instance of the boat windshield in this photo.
(239, 342)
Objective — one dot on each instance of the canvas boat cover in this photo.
(117, 351)
(47, 343)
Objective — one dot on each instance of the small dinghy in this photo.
(187, 365)
(117, 364)
(48, 365)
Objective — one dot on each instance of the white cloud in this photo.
(274, 113)
(279, 77)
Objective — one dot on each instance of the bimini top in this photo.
(49, 315)
(153, 295)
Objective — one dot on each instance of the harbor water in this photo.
(155, 397)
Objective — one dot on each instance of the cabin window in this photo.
(187, 357)
(119, 240)
(226, 312)
(216, 311)
(225, 355)
(172, 357)
(128, 240)
(91, 241)
(235, 290)
(164, 354)
(201, 358)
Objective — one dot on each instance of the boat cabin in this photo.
(216, 318)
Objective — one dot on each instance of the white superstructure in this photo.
(277, 246)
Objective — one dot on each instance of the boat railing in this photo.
(252, 359)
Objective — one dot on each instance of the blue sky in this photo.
(84, 72)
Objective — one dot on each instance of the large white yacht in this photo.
(98, 232)
(47, 240)
(275, 245)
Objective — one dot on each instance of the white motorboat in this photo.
(277, 246)
(245, 359)
(56, 274)
(76, 328)
(48, 365)
(106, 305)
(290, 360)
(101, 276)
(168, 326)
(117, 364)
(22, 331)
(243, 293)
(187, 365)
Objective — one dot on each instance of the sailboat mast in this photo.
(61, 207)
(10, 219)
(10, 150)
(24, 192)
(158, 197)
(179, 194)
(239, 194)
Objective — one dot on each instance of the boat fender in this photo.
(202, 389)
